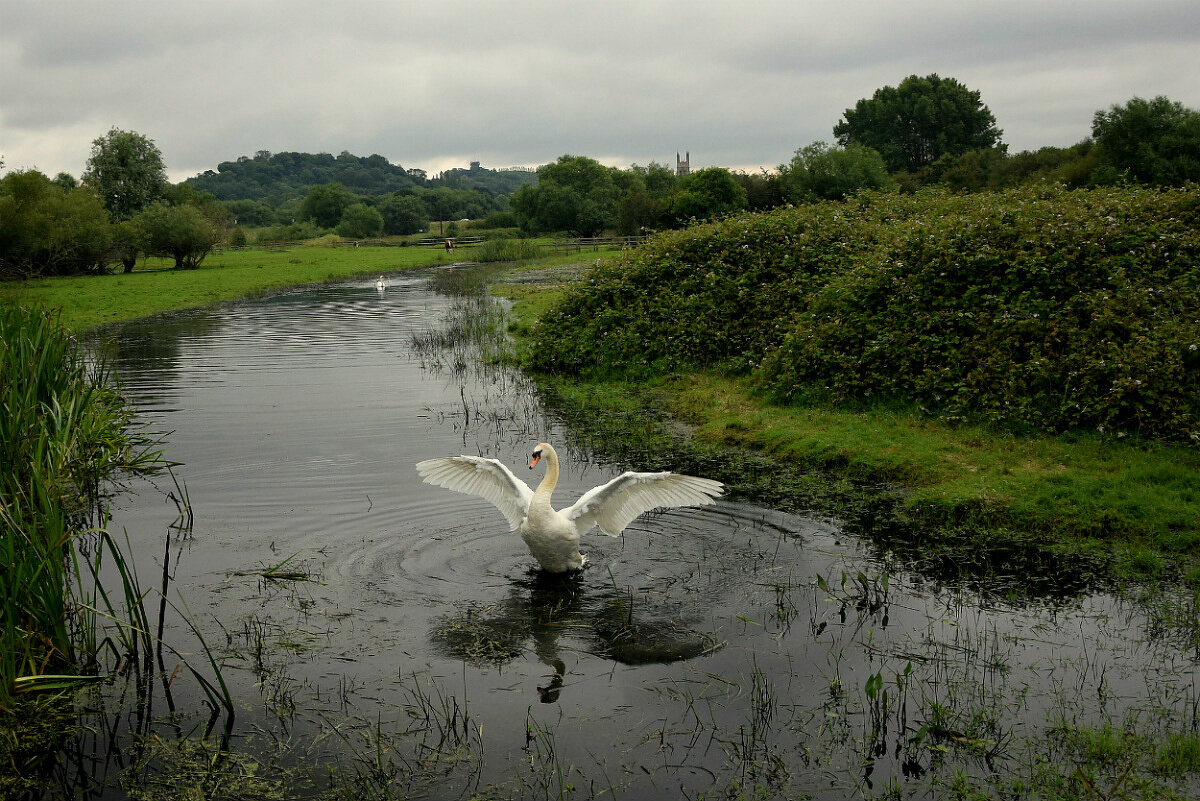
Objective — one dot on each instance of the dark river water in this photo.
(413, 649)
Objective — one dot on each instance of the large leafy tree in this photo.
(575, 193)
(126, 170)
(1153, 141)
(403, 214)
(48, 230)
(707, 193)
(919, 121)
(360, 221)
(325, 204)
(179, 232)
(821, 172)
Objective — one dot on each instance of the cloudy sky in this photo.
(439, 84)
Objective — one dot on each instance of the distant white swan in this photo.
(553, 536)
(381, 283)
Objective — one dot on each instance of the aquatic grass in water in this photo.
(64, 433)
(64, 430)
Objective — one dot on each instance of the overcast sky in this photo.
(439, 84)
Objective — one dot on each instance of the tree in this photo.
(575, 193)
(126, 170)
(919, 121)
(325, 204)
(180, 232)
(46, 230)
(64, 180)
(360, 221)
(1153, 141)
(126, 245)
(763, 189)
(821, 172)
(707, 193)
(403, 214)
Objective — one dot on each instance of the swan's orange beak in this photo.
(537, 457)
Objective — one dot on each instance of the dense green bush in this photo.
(1037, 308)
(48, 230)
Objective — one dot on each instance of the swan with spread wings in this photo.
(553, 536)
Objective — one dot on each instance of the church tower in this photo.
(683, 166)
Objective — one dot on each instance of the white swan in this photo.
(553, 536)
(381, 283)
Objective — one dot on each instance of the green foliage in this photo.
(1038, 308)
(179, 232)
(1152, 141)
(576, 194)
(275, 178)
(253, 213)
(48, 230)
(325, 204)
(705, 194)
(507, 250)
(403, 214)
(764, 190)
(500, 219)
(62, 431)
(919, 121)
(360, 221)
(126, 169)
(296, 232)
(820, 172)
(126, 245)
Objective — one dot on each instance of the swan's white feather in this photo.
(613, 506)
(553, 536)
(486, 478)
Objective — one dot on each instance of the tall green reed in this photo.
(63, 431)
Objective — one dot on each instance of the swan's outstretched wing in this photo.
(614, 505)
(487, 478)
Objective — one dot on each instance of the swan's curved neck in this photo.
(551, 478)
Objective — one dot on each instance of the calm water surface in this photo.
(425, 655)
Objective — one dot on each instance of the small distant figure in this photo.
(449, 245)
(381, 283)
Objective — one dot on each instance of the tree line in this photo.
(124, 207)
(927, 131)
(924, 132)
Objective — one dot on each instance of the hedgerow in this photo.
(1038, 308)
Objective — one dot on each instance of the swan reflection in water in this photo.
(550, 612)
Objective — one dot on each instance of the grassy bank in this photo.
(89, 301)
(154, 287)
(983, 494)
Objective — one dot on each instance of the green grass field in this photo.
(154, 287)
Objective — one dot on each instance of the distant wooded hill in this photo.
(276, 178)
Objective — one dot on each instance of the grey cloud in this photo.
(428, 84)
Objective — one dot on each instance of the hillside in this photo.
(275, 178)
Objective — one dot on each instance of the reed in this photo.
(64, 430)
(508, 250)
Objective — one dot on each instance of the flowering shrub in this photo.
(1039, 308)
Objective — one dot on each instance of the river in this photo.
(407, 646)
